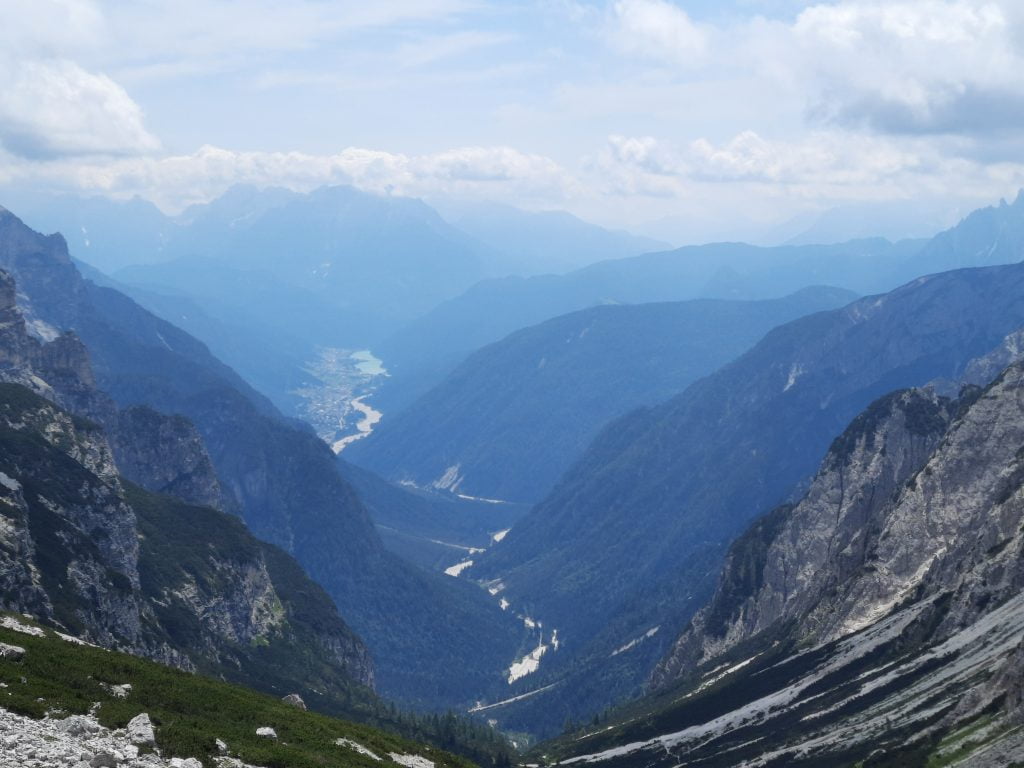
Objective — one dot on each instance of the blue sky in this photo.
(685, 118)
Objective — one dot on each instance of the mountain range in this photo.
(766, 528)
(876, 621)
(422, 353)
(628, 543)
(516, 414)
(283, 480)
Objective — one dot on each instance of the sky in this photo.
(688, 120)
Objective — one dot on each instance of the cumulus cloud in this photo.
(891, 66)
(55, 108)
(931, 66)
(833, 164)
(179, 180)
(657, 28)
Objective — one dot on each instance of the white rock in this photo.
(9, 622)
(411, 761)
(140, 730)
(78, 725)
(266, 732)
(357, 747)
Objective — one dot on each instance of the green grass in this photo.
(189, 711)
(965, 741)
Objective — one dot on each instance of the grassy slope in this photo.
(190, 712)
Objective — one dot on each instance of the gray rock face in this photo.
(779, 569)
(165, 454)
(294, 700)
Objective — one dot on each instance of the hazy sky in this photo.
(627, 112)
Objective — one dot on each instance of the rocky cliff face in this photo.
(74, 536)
(166, 454)
(781, 567)
(162, 453)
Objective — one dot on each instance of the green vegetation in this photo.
(964, 742)
(190, 712)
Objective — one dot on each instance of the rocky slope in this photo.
(515, 415)
(118, 565)
(632, 537)
(66, 704)
(281, 477)
(878, 619)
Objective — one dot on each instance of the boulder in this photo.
(140, 731)
(78, 725)
(294, 700)
(266, 732)
(17, 653)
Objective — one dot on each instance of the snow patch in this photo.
(500, 535)
(795, 372)
(458, 568)
(450, 480)
(527, 665)
(635, 642)
(9, 482)
(480, 707)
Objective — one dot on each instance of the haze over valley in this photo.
(450, 384)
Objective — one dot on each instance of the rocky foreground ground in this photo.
(80, 741)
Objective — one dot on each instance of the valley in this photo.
(335, 405)
(590, 383)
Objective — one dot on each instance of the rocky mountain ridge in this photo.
(878, 619)
(86, 551)
(632, 538)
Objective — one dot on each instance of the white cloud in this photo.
(657, 28)
(901, 67)
(931, 66)
(179, 180)
(55, 108)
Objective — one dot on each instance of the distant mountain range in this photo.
(265, 277)
(515, 415)
(424, 352)
(542, 242)
(630, 539)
